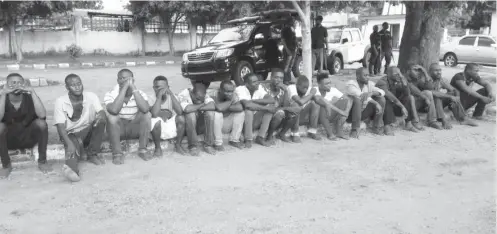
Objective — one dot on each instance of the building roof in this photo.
(108, 13)
(383, 17)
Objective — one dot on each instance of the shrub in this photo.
(74, 51)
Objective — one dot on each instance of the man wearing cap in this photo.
(318, 36)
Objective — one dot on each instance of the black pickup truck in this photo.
(238, 50)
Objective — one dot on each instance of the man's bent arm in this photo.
(39, 108)
(141, 103)
(302, 100)
(223, 106)
(2, 104)
(155, 109)
(211, 106)
(468, 90)
(192, 108)
(61, 129)
(487, 86)
(236, 107)
(176, 105)
(115, 107)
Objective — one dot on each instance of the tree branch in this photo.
(299, 10)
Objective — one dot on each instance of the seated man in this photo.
(128, 117)
(167, 114)
(398, 100)
(419, 82)
(80, 121)
(259, 109)
(302, 96)
(23, 124)
(334, 107)
(449, 97)
(368, 103)
(229, 116)
(286, 113)
(198, 109)
(464, 81)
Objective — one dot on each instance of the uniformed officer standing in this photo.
(386, 45)
(374, 60)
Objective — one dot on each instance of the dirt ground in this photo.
(430, 182)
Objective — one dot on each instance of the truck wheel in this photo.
(298, 66)
(334, 65)
(242, 69)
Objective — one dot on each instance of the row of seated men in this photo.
(274, 109)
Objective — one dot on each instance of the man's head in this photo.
(199, 91)
(471, 70)
(160, 82)
(226, 89)
(435, 71)
(360, 75)
(324, 82)
(302, 85)
(375, 28)
(277, 75)
(251, 81)
(394, 75)
(384, 25)
(319, 20)
(74, 85)
(123, 75)
(414, 73)
(14, 81)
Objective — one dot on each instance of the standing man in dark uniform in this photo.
(386, 46)
(319, 37)
(374, 60)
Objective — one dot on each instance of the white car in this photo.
(480, 49)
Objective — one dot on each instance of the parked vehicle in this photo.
(480, 49)
(238, 50)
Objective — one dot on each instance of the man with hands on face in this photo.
(23, 123)
(167, 114)
(80, 121)
(128, 117)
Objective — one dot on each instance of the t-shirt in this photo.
(272, 53)
(290, 38)
(25, 115)
(167, 105)
(386, 40)
(398, 90)
(64, 110)
(375, 39)
(185, 98)
(334, 93)
(129, 109)
(292, 91)
(243, 93)
(278, 96)
(460, 76)
(318, 37)
(354, 89)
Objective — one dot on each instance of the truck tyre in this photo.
(298, 66)
(242, 68)
(334, 64)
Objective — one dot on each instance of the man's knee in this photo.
(40, 124)
(145, 117)
(180, 121)
(427, 93)
(380, 100)
(210, 115)
(355, 100)
(3, 128)
(157, 127)
(113, 119)
(279, 115)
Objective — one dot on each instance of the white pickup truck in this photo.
(345, 46)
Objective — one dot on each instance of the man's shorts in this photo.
(168, 127)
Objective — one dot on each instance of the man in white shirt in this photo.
(128, 117)
(300, 94)
(198, 109)
(167, 114)
(80, 121)
(229, 116)
(259, 109)
(336, 109)
(368, 103)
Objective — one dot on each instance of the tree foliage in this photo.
(478, 14)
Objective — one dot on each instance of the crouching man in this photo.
(23, 124)
(368, 103)
(80, 121)
(128, 117)
(229, 116)
(167, 115)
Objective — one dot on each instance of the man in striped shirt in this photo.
(128, 117)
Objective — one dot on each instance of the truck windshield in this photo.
(238, 33)
(334, 36)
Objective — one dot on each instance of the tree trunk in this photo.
(204, 27)
(19, 43)
(141, 27)
(305, 24)
(170, 38)
(422, 35)
(193, 35)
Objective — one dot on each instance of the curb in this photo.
(85, 65)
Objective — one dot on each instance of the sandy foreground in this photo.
(429, 182)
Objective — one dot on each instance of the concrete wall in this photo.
(493, 27)
(112, 42)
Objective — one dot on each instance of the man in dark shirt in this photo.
(464, 81)
(374, 60)
(398, 101)
(386, 45)
(289, 41)
(318, 37)
(445, 95)
(23, 124)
